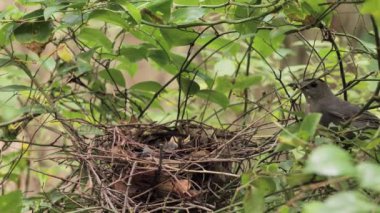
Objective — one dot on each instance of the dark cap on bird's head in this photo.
(315, 89)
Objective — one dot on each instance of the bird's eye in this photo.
(313, 84)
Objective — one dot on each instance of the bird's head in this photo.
(315, 89)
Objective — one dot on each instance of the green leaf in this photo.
(83, 61)
(294, 12)
(8, 158)
(77, 4)
(298, 134)
(242, 12)
(126, 65)
(313, 6)
(309, 126)
(342, 202)
(109, 16)
(298, 179)
(330, 160)
(253, 201)
(372, 7)
(74, 18)
(5, 33)
(49, 11)
(266, 42)
(176, 37)
(189, 87)
(193, 69)
(30, 2)
(11, 202)
(134, 53)
(265, 184)
(187, 2)
(228, 46)
(246, 178)
(226, 83)
(368, 176)
(373, 143)
(284, 209)
(187, 14)
(289, 136)
(314, 207)
(214, 96)
(95, 38)
(14, 88)
(131, 9)
(64, 68)
(29, 32)
(160, 8)
(113, 76)
(35, 15)
(314, 10)
(149, 86)
(216, 2)
(243, 82)
(159, 56)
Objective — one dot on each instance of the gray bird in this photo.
(334, 110)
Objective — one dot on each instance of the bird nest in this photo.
(153, 168)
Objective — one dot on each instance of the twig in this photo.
(126, 195)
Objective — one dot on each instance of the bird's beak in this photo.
(304, 85)
(301, 86)
(294, 86)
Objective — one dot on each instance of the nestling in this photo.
(334, 110)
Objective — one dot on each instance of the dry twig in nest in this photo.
(155, 168)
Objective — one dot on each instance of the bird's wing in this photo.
(338, 110)
(366, 119)
(343, 111)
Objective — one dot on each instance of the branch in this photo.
(212, 23)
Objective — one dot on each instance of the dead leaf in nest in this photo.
(167, 162)
(120, 186)
(171, 163)
(166, 186)
(147, 151)
(199, 154)
(180, 187)
(119, 152)
(135, 132)
(195, 193)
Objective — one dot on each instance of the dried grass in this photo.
(156, 168)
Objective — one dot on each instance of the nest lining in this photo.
(156, 168)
